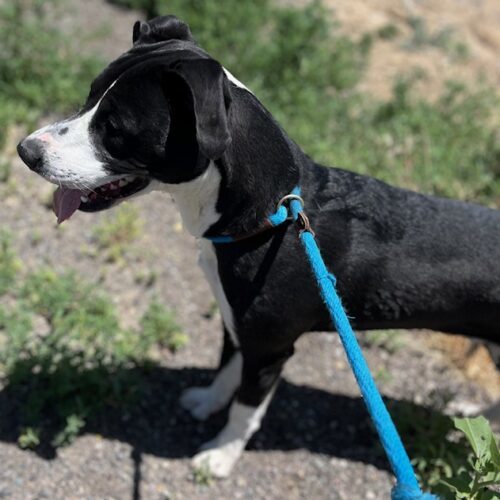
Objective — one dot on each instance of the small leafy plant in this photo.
(29, 438)
(483, 471)
(454, 458)
(202, 475)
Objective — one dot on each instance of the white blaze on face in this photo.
(69, 156)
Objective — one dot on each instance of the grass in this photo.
(78, 357)
(39, 70)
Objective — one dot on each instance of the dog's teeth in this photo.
(122, 182)
(84, 199)
(113, 186)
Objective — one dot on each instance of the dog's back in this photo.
(415, 259)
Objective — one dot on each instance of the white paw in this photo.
(200, 402)
(219, 460)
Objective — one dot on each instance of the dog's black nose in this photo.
(31, 152)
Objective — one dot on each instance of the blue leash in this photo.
(407, 487)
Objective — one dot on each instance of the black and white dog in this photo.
(167, 116)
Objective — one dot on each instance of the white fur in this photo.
(208, 263)
(221, 454)
(202, 402)
(234, 80)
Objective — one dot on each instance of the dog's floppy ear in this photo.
(160, 29)
(206, 81)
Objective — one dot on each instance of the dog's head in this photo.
(159, 112)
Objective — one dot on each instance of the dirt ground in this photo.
(472, 22)
(316, 441)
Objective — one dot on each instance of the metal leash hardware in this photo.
(302, 220)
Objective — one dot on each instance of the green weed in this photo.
(158, 325)
(5, 171)
(29, 438)
(389, 340)
(117, 231)
(443, 458)
(482, 470)
(388, 32)
(146, 278)
(9, 263)
(202, 476)
(73, 425)
(444, 39)
(383, 376)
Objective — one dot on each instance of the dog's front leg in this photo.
(259, 379)
(202, 402)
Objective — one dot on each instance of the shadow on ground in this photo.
(299, 417)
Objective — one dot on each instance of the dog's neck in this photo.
(236, 193)
(261, 165)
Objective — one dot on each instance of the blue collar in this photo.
(276, 219)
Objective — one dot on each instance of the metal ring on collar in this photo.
(289, 197)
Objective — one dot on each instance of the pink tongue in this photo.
(66, 202)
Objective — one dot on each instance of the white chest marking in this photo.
(196, 200)
(208, 263)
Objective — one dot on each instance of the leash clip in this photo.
(303, 223)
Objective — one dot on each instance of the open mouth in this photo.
(67, 201)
